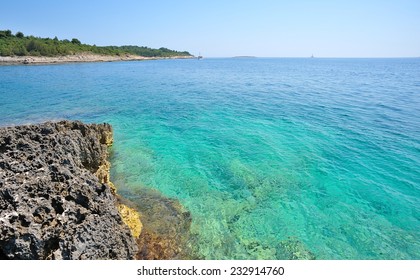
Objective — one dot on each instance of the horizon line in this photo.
(315, 57)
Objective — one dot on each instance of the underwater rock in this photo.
(293, 249)
(55, 196)
(166, 226)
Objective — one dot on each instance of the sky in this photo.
(225, 28)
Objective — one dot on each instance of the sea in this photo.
(274, 158)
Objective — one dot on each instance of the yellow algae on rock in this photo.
(103, 171)
(106, 136)
(131, 218)
(103, 175)
(129, 215)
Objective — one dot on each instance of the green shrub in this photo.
(30, 45)
(75, 41)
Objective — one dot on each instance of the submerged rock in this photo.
(293, 249)
(55, 195)
(166, 226)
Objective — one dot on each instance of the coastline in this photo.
(77, 58)
(57, 200)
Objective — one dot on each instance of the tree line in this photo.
(20, 45)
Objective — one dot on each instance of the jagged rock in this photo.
(52, 206)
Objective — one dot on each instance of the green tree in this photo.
(21, 50)
(5, 33)
(4, 51)
(19, 44)
(76, 41)
(32, 45)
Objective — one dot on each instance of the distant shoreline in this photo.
(82, 57)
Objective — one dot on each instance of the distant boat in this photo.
(312, 56)
(199, 56)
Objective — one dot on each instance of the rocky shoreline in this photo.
(57, 202)
(82, 57)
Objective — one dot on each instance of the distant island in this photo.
(18, 48)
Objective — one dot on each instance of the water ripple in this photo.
(274, 158)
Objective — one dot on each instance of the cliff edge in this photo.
(56, 201)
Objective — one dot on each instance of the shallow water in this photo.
(274, 158)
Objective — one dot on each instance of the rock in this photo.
(52, 206)
(132, 219)
(166, 226)
(293, 249)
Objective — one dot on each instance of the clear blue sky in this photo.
(220, 28)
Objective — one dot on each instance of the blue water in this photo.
(274, 158)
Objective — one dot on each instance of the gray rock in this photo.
(52, 206)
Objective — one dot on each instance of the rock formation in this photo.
(56, 201)
(166, 226)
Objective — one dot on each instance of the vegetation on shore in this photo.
(20, 45)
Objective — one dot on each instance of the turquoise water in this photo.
(320, 157)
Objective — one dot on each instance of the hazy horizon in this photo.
(267, 28)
